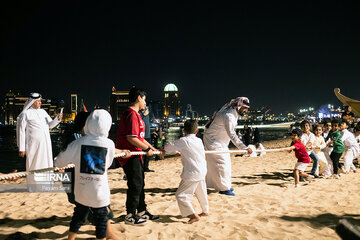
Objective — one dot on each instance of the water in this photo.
(9, 159)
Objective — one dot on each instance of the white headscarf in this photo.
(33, 97)
(236, 103)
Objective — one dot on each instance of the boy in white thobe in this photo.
(328, 171)
(352, 149)
(193, 174)
(33, 137)
(318, 145)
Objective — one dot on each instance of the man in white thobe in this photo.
(217, 136)
(33, 137)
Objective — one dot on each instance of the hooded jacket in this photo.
(92, 155)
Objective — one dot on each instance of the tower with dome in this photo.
(171, 101)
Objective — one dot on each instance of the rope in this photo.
(24, 174)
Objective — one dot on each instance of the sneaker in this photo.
(335, 176)
(314, 175)
(310, 177)
(133, 219)
(148, 216)
(227, 192)
(297, 185)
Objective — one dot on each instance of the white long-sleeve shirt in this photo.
(222, 130)
(308, 138)
(319, 141)
(350, 142)
(358, 140)
(192, 157)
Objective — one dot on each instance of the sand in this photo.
(266, 205)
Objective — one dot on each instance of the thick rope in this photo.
(24, 174)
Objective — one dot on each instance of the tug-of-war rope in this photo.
(24, 174)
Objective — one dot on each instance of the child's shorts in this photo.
(301, 166)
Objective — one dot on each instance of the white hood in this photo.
(98, 123)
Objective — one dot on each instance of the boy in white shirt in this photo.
(307, 138)
(318, 145)
(357, 138)
(357, 133)
(194, 172)
(352, 149)
(328, 149)
(92, 156)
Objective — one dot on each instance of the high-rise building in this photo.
(74, 103)
(171, 101)
(119, 101)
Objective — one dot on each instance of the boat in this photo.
(354, 104)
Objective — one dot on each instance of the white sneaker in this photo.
(310, 177)
(133, 219)
(297, 185)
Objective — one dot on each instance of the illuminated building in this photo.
(171, 101)
(119, 101)
(14, 103)
(74, 103)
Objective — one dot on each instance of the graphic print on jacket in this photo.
(93, 159)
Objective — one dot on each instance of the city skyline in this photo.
(286, 56)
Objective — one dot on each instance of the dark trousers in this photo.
(135, 199)
(81, 213)
(146, 162)
(335, 157)
(146, 159)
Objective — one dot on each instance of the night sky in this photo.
(283, 55)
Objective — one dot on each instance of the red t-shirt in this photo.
(131, 124)
(300, 152)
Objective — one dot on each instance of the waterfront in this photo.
(10, 160)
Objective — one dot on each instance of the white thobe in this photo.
(352, 149)
(319, 141)
(217, 137)
(328, 171)
(193, 174)
(33, 137)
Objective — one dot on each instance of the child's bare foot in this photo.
(203, 214)
(193, 218)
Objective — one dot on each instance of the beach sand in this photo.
(266, 205)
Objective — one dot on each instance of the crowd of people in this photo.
(325, 144)
(92, 153)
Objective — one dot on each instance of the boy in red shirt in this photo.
(131, 136)
(300, 154)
